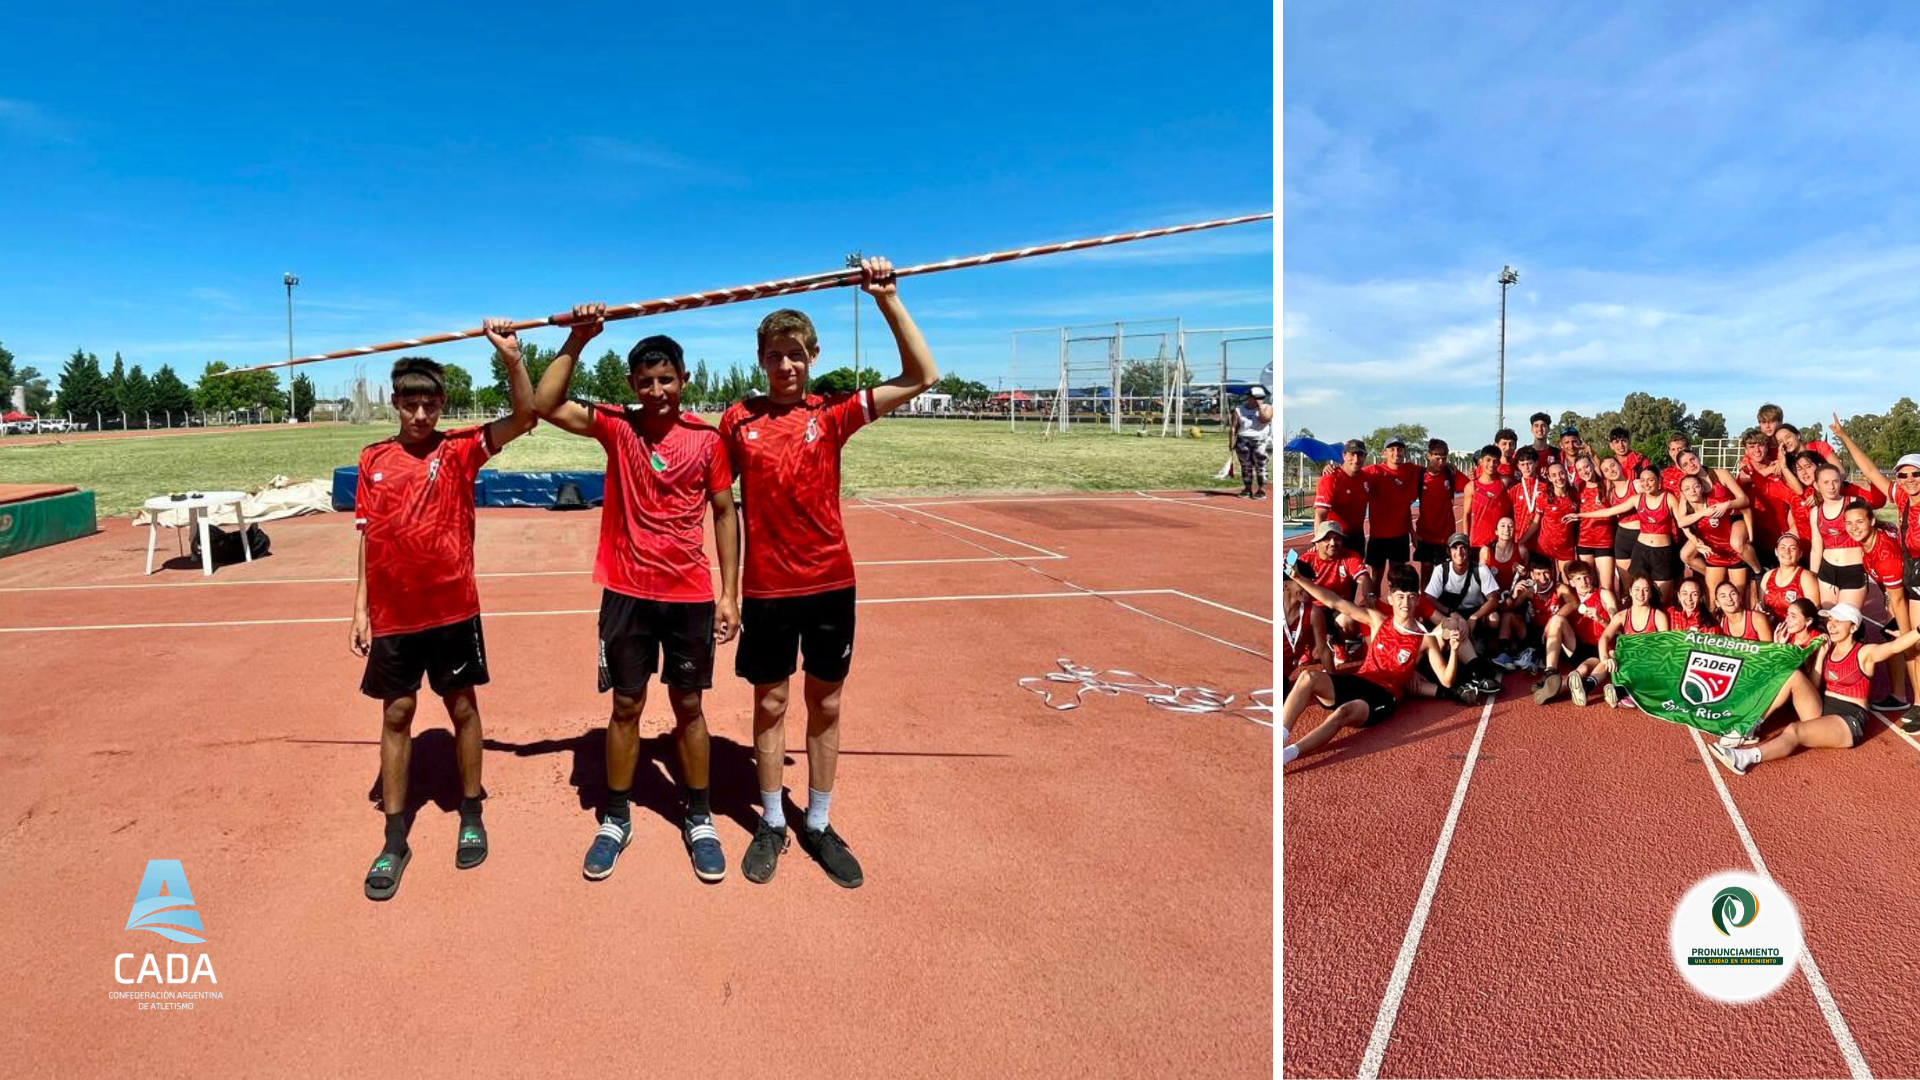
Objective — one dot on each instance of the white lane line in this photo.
(1222, 607)
(596, 611)
(1197, 633)
(1204, 503)
(1410, 945)
(1895, 728)
(1837, 1024)
(969, 528)
(205, 584)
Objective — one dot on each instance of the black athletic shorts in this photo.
(452, 657)
(1843, 577)
(1854, 715)
(1583, 651)
(1658, 563)
(635, 633)
(1380, 701)
(775, 633)
(1910, 578)
(1588, 554)
(1624, 541)
(1380, 549)
(1430, 553)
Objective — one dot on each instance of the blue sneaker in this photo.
(608, 843)
(703, 847)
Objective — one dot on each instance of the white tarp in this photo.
(280, 498)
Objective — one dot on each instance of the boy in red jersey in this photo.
(416, 609)
(798, 592)
(1546, 452)
(1396, 642)
(1505, 441)
(665, 470)
(1392, 485)
(1342, 492)
(1487, 501)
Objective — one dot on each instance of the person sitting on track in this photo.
(1344, 573)
(1253, 441)
(1439, 482)
(1838, 721)
(1392, 486)
(1536, 600)
(1800, 625)
(665, 471)
(1734, 619)
(1504, 556)
(416, 607)
(1575, 634)
(1689, 610)
(1640, 616)
(798, 580)
(1296, 630)
(1466, 598)
(1396, 643)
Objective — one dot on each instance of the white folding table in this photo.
(197, 508)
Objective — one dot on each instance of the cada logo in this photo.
(165, 906)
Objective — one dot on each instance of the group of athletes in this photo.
(1435, 582)
(417, 610)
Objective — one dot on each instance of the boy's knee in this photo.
(626, 710)
(686, 707)
(398, 714)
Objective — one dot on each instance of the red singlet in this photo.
(1596, 532)
(1680, 620)
(1590, 618)
(1844, 677)
(1775, 597)
(1390, 658)
(1655, 520)
(1747, 633)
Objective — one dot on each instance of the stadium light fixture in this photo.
(1508, 277)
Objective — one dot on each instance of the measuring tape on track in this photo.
(1113, 682)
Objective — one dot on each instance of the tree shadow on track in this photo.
(732, 781)
(1409, 724)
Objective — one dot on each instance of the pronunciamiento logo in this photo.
(165, 903)
(1735, 937)
(1734, 906)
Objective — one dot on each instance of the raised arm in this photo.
(917, 370)
(1873, 654)
(550, 398)
(506, 342)
(1333, 601)
(1867, 468)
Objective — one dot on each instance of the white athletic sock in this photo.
(773, 810)
(817, 809)
(1287, 754)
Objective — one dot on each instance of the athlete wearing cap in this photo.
(1253, 441)
(1342, 492)
(1838, 719)
(1335, 568)
(1903, 599)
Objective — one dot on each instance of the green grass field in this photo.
(897, 456)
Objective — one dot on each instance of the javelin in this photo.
(714, 297)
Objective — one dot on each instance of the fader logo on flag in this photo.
(1709, 677)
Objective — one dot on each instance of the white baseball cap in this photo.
(1908, 459)
(1845, 613)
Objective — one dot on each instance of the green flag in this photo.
(1720, 685)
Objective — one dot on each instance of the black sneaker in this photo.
(1890, 705)
(833, 855)
(1911, 723)
(763, 854)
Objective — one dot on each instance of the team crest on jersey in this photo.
(1791, 595)
(659, 463)
(813, 428)
(433, 469)
(377, 477)
(1404, 657)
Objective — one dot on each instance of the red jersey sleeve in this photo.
(719, 468)
(360, 493)
(1870, 493)
(468, 450)
(848, 413)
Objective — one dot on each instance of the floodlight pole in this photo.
(292, 409)
(1507, 278)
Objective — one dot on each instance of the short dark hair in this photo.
(1539, 418)
(1436, 444)
(1527, 453)
(1808, 455)
(1488, 451)
(1825, 465)
(653, 351)
(1403, 578)
(1582, 566)
(1789, 427)
(1856, 504)
(1507, 434)
(419, 375)
(1619, 433)
(1539, 561)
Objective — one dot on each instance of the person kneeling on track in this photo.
(1537, 599)
(1838, 720)
(1397, 641)
(1640, 616)
(1465, 598)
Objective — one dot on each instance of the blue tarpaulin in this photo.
(492, 488)
(1314, 449)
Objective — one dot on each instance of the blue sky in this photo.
(1711, 202)
(422, 166)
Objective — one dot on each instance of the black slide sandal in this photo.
(472, 849)
(386, 868)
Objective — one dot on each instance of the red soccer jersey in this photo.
(1344, 497)
(1339, 576)
(1525, 498)
(1555, 539)
(1436, 504)
(1489, 504)
(1590, 617)
(1390, 495)
(1632, 461)
(1908, 511)
(1670, 478)
(788, 460)
(1596, 532)
(416, 509)
(657, 491)
(1391, 656)
(1883, 562)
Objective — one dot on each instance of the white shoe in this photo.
(1612, 694)
(1733, 758)
(1577, 690)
